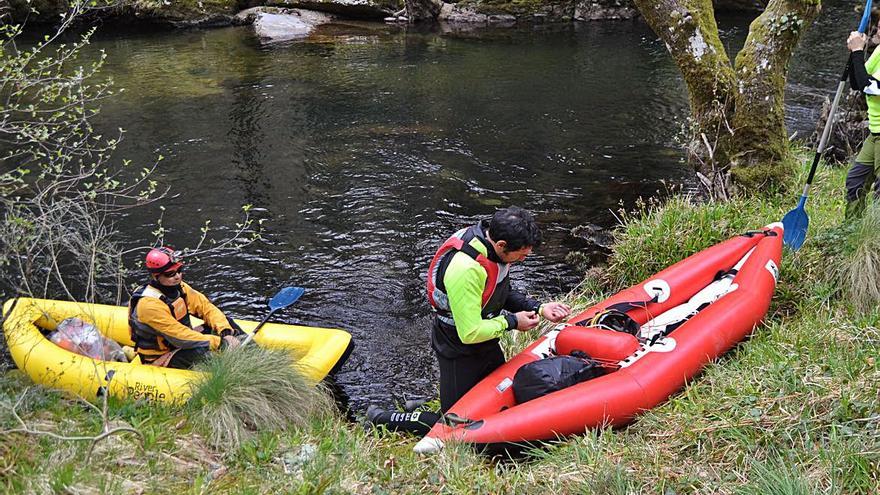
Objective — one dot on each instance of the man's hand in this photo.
(526, 320)
(856, 41)
(231, 342)
(555, 311)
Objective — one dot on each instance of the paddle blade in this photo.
(796, 222)
(285, 297)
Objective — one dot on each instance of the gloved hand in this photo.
(526, 320)
(229, 342)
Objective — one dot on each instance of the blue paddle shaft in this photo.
(866, 17)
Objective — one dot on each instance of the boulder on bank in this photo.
(274, 24)
(503, 14)
(182, 13)
(174, 13)
(194, 13)
(354, 9)
(46, 10)
(483, 11)
(595, 10)
(463, 14)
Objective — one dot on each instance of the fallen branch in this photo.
(94, 439)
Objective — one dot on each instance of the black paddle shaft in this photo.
(827, 131)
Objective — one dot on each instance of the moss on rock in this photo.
(557, 9)
(367, 9)
(175, 12)
(39, 11)
(186, 12)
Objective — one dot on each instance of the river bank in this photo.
(216, 13)
(791, 410)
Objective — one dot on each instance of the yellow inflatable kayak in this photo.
(318, 351)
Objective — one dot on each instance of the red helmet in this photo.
(162, 259)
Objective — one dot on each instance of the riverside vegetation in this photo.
(793, 410)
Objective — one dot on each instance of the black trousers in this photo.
(187, 358)
(457, 376)
(460, 374)
(859, 180)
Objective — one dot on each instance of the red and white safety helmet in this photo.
(163, 259)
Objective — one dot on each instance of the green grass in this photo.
(252, 389)
(794, 409)
(860, 262)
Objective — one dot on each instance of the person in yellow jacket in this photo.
(159, 317)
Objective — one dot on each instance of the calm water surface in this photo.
(364, 146)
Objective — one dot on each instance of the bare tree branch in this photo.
(106, 430)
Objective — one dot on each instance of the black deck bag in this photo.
(539, 378)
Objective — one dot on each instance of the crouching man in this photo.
(159, 317)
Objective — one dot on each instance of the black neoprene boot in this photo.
(413, 404)
(418, 423)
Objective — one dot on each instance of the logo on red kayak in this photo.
(504, 385)
(773, 269)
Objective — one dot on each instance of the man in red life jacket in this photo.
(474, 304)
(469, 289)
(159, 317)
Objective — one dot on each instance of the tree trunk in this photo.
(760, 147)
(738, 114)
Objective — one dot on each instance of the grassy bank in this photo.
(793, 410)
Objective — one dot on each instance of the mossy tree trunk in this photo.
(738, 112)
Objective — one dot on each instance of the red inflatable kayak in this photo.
(688, 315)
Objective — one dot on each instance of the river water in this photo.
(365, 145)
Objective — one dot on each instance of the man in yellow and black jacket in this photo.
(159, 317)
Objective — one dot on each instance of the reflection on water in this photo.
(365, 146)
